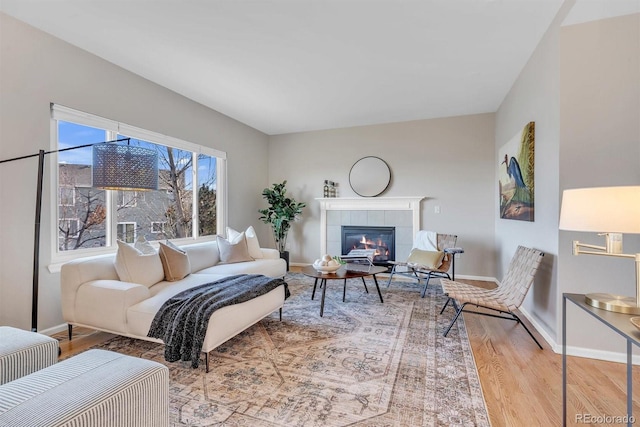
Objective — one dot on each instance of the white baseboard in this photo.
(54, 330)
(589, 353)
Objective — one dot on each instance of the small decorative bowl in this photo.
(635, 321)
(326, 269)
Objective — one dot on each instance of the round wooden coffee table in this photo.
(349, 271)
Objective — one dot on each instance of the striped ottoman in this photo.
(97, 388)
(22, 353)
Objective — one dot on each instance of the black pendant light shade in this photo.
(124, 167)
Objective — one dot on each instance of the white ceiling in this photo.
(284, 66)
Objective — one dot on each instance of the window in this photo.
(127, 199)
(66, 196)
(157, 227)
(187, 204)
(127, 232)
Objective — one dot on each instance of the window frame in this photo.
(114, 128)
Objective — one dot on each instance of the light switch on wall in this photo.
(437, 209)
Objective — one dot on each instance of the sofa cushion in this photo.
(252, 240)
(135, 267)
(175, 262)
(234, 251)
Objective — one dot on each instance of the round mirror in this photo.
(369, 176)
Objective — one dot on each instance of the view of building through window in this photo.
(167, 213)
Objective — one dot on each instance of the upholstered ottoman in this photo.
(23, 352)
(97, 388)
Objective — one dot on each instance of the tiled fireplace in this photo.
(400, 213)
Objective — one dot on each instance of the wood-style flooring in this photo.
(522, 385)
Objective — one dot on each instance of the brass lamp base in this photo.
(615, 303)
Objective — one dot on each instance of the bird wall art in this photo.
(516, 176)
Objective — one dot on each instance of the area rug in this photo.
(365, 363)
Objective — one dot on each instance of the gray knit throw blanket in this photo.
(182, 320)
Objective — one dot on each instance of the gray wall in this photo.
(449, 161)
(581, 87)
(37, 69)
(535, 96)
(600, 146)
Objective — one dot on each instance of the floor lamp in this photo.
(115, 167)
(609, 211)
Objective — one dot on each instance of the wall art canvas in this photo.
(515, 175)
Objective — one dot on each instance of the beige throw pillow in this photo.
(175, 262)
(427, 259)
(135, 267)
(232, 252)
(252, 241)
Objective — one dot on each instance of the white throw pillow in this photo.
(235, 251)
(144, 246)
(252, 241)
(134, 266)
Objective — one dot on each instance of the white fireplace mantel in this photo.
(366, 204)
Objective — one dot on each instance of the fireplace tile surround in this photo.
(403, 213)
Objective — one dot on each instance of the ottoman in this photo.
(97, 388)
(23, 352)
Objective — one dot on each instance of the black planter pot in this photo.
(285, 256)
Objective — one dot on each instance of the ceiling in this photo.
(285, 66)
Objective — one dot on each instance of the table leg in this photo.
(344, 290)
(377, 287)
(564, 361)
(323, 285)
(314, 289)
(365, 285)
(629, 383)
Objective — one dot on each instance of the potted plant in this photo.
(282, 211)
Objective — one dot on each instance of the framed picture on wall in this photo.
(516, 175)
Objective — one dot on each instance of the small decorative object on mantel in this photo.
(282, 211)
(330, 189)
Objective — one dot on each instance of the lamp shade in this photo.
(124, 167)
(601, 209)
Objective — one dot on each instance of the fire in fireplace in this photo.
(381, 239)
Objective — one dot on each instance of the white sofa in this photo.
(93, 295)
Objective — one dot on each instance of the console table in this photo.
(617, 322)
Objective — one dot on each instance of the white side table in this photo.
(23, 352)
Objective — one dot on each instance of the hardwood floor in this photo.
(522, 384)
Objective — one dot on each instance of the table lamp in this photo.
(608, 211)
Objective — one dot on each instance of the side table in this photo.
(23, 352)
(618, 323)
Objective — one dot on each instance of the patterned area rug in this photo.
(364, 363)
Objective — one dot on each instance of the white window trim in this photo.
(162, 224)
(135, 229)
(60, 112)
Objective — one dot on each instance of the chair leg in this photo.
(526, 329)
(393, 271)
(281, 314)
(445, 305)
(426, 283)
(70, 330)
(454, 319)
